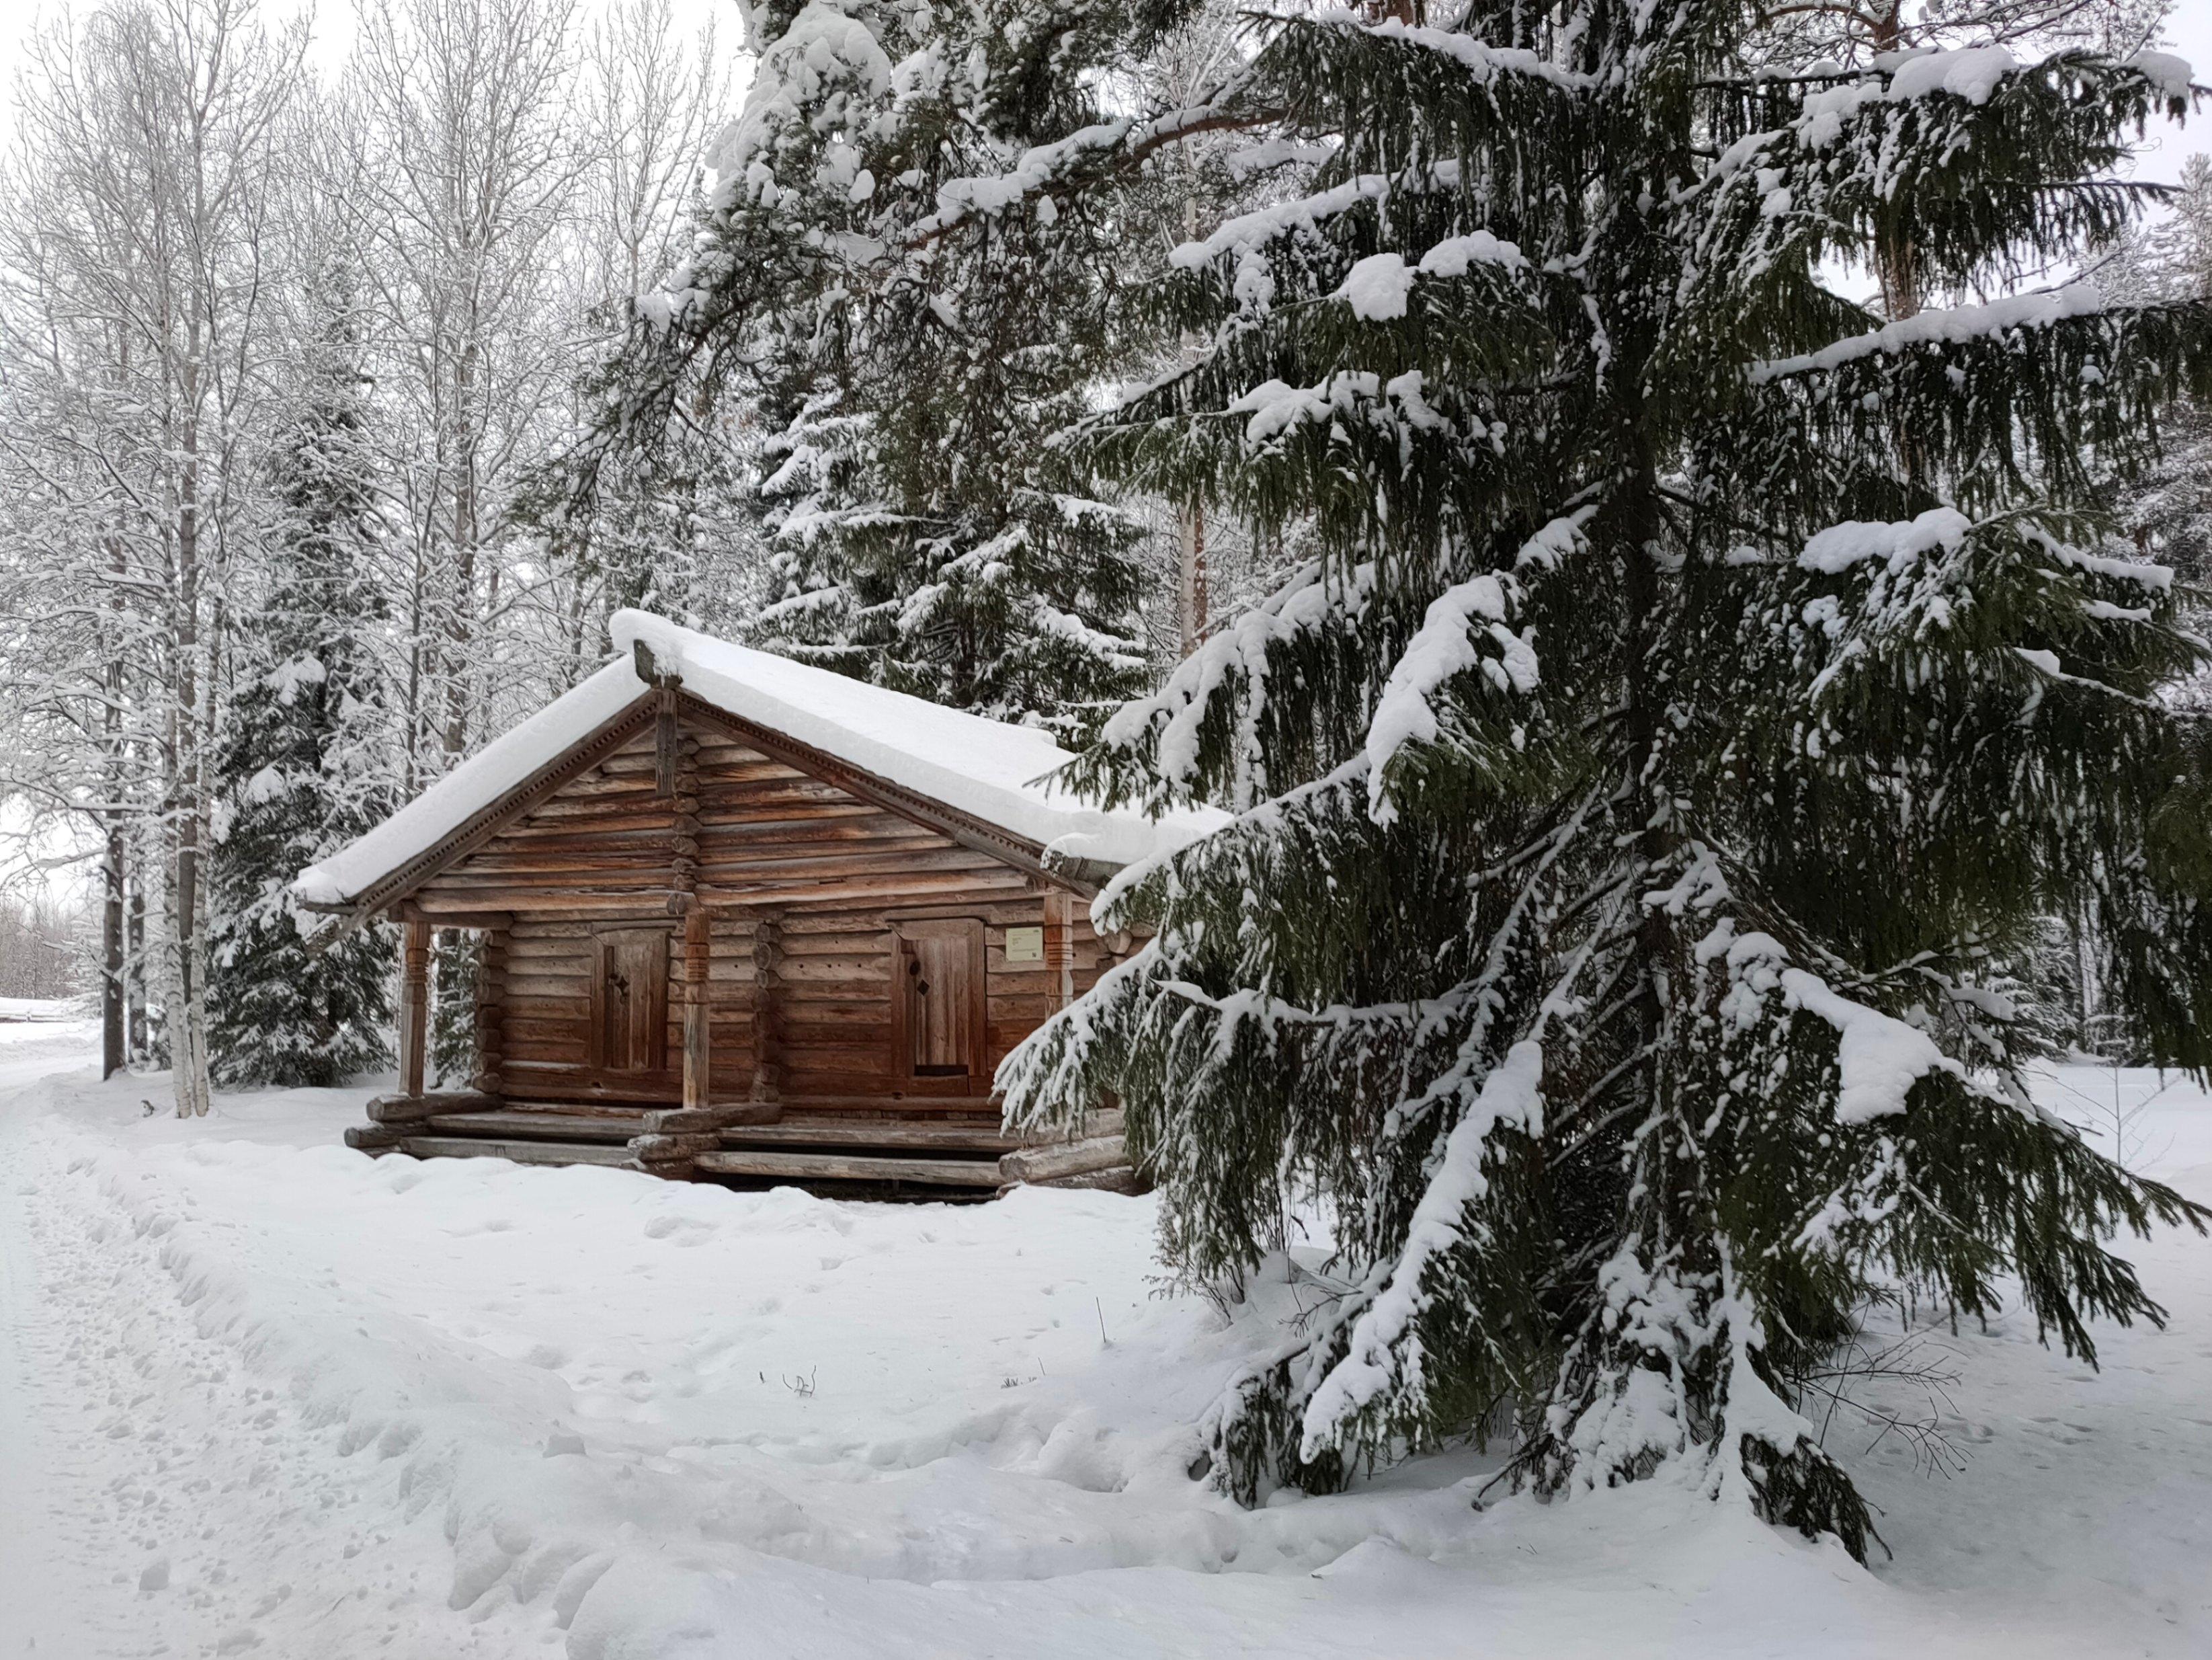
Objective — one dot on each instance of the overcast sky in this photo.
(2189, 32)
(333, 28)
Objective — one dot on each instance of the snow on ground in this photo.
(259, 1395)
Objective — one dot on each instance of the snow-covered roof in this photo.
(990, 770)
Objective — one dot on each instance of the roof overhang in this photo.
(396, 886)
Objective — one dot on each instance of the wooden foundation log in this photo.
(533, 1126)
(866, 1136)
(655, 1151)
(374, 1137)
(1117, 1178)
(1066, 1159)
(1106, 1120)
(408, 1109)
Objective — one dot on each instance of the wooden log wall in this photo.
(491, 1010)
(803, 886)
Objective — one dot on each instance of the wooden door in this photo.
(629, 1001)
(938, 997)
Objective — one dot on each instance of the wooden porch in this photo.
(950, 1149)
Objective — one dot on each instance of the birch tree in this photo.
(469, 163)
(671, 534)
(148, 140)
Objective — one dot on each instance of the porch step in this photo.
(520, 1153)
(538, 1126)
(922, 1109)
(793, 1133)
(849, 1167)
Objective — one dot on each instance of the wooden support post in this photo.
(1060, 947)
(683, 825)
(768, 1037)
(698, 1016)
(491, 1011)
(414, 1002)
(663, 738)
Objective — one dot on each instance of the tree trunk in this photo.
(1895, 266)
(113, 1038)
(459, 624)
(138, 1045)
(188, 943)
(1193, 598)
(111, 948)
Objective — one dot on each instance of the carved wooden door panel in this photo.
(939, 998)
(629, 998)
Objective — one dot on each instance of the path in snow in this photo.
(266, 1396)
(160, 1498)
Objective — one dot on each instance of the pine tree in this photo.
(1700, 694)
(910, 349)
(301, 769)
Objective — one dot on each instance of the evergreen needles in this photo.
(908, 359)
(1701, 691)
(298, 771)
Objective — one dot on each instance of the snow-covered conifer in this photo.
(1702, 691)
(305, 764)
(910, 346)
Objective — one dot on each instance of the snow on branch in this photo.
(822, 45)
(1968, 72)
(1311, 601)
(1445, 645)
(1511, 1097)
(1951, 327)
(1839, 547)
(1486, 64)
(1878, 1058)
(2159, 579)
(1101, 147)
(1755, 1413)
(1248, 231)
(1377, 287)
(1973, 72)
(2169, 75)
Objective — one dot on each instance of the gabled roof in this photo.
(989, 771)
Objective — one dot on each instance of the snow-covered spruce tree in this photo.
(304, 765)
(1701, 694)
(911, 347)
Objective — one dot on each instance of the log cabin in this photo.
(740, 918)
